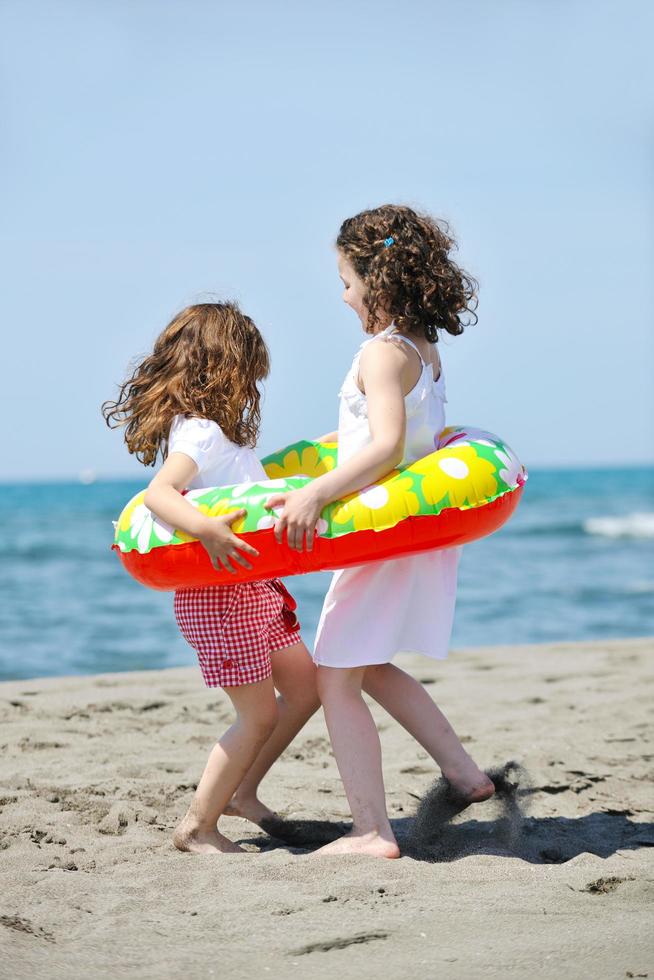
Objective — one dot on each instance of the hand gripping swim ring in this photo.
(466, 489)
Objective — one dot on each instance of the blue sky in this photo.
(156, 154)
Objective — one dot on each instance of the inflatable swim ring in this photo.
(467, 488)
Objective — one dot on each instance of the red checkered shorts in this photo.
(235, 628)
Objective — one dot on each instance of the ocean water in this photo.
(575, 563)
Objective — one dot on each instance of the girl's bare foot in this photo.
(250, 808)
(198, 840)
(373, 844)
(470, 784)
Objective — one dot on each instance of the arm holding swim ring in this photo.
(164, 498)
(381, 374)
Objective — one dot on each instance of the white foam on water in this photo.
(640, 525)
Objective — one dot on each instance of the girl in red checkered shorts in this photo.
(195, 400)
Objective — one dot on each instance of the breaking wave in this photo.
(640, 525)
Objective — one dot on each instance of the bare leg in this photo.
(355, 741)
(229, 760)
(408, 702)
(294, 676)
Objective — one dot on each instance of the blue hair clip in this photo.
(388, 242)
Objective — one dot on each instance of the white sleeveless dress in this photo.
(373, 611)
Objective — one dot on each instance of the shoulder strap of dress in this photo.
(407, 340)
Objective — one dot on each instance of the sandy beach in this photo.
(556, 880)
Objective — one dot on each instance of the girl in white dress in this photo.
(399, 278)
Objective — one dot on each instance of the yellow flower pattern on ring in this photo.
(307, 463)
(125, 518)
(379, 506)
(460, 473)
(223, 506)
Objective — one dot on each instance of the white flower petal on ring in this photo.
(453, 467)
(241, 489)
(374, 497)
(163, 531)
(144, 535)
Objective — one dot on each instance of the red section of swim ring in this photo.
(187, 566)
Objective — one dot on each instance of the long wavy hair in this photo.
(206, 363)
(412, 279)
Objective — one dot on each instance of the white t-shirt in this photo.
(220, 462)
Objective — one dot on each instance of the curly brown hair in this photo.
(206, 363)
(412, 279)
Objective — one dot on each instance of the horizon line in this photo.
(101, 478)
